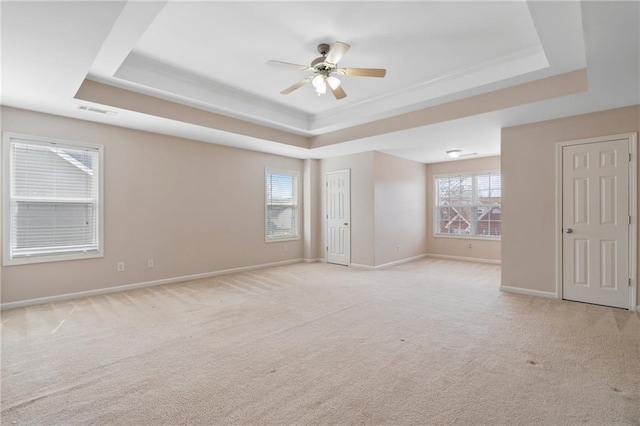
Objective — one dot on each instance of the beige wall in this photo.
(196, 208)
(388, 207)
(311, 210)
(528, 165)
(400, 197)
(362, 207)
(484, 249)
(193, 207)
(149, 179)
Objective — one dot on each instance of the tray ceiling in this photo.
(204, 61)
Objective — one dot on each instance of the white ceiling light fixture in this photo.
(320, 84)
(454, 153)
(333, 82)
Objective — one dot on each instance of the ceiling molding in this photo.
(456, 84)
(534, 91)
(172, 82)
(166, 81)
(103, 94)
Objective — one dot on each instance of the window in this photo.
(282, 205)
(468, 205)
(52, 200)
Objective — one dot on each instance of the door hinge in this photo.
(629, 282)
(630, 159)
(327, 248)
(629, 220)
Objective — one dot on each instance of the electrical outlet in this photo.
(398, 249)
(286, 248)
(120, 266)
(150, 263)
(468, 245)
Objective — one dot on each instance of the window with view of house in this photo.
(282, 205)
(52, 200)
(468, 205)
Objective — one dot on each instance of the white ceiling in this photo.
(212, 56)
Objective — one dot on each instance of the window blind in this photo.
(54, 199)
(282, 205)
(469, 205)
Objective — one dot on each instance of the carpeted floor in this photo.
(429, 342)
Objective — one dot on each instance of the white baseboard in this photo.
(363, 267)
(529, 292)
(126, 287)
(401, 261)
(464, 259)
(317, 260)
(387, 265)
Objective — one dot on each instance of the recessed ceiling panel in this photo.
(229, 44)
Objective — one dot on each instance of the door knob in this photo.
(346, 223)
(568, 231)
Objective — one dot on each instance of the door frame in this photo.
(325, 212)
(633, 209)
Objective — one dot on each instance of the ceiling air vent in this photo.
(98, 110)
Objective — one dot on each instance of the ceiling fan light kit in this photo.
(324, 66)
(320, 82)
(332, 82)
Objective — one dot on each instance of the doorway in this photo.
(338, 217)
(598, 234)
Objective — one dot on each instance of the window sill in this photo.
(469, 237)
(24, 260)
(280, 240)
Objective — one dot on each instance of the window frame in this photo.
(285, 172)
(7, 258)
(436, 205)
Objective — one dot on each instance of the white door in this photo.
(338, 217)
(595, 215)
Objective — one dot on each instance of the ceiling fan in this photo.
(324, 68)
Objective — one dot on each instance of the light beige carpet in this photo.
(430, 342)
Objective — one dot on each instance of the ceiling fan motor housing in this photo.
(323, 49)
(319, 64)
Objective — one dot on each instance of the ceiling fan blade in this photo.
(338, 92)
(297, 85)
(336, 52)
(289, 65)
(362, 72)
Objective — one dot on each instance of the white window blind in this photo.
(469, 205)
(282, 205)
(54, 199)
